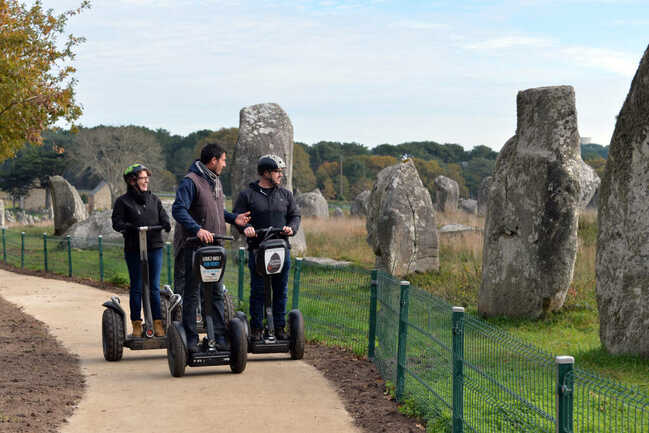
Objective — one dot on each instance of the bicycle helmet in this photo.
(270, 163)
(133, 170)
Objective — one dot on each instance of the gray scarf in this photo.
(209, 175)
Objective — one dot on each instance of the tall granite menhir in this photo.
(622, 263)
(264, 129)
(401, 226)
(530, 240)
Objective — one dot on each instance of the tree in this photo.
(36, 79)
(303, 177)
(227, 139)
(32, 166)
(108, 150)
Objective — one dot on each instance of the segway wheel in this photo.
(112, 335)
(176, 354)
(244, 319)
(228, 307)
(296, 328)
(238, 346)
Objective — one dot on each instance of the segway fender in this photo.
(114, 304)
(181, 331)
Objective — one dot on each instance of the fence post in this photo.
(22, 250)
(100, 245)
(4, 244)
(403, 337)
(168, 248)
(45, 251)
(242, 259)
(371, 344)
(458, 369)
(564, 393)
(69, 242)
(296, 282)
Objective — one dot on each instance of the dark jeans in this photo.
(257, 296)
(191, 298)
(134, 273)
(179, 271)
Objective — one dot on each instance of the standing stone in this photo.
(530, 241)
(359, 205)
(447, 194)
(622, 262)
(67, 204)
(338, 212)
(588, 184)
(469, 206)
(313, 204)
(84, 233)
(483, 195)
(401, 226)
(263, 129)
(2, 213)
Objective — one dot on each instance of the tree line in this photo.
(340, 170)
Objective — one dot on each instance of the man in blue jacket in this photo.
(199, 209)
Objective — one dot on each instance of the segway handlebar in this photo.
(215, 236)
(149, 228)
(269, 231)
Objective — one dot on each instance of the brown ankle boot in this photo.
(158, 329)
(137, 328)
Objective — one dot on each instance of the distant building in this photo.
(98, 198)
(586, 140)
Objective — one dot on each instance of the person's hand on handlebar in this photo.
(287, 231)
(205, 236)
(249, 232)
(242, 219)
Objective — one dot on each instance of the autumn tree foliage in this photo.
(36, 77)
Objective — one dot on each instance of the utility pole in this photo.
(341, 176)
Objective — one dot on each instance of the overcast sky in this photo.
(368, 71)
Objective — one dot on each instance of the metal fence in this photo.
(456, 370)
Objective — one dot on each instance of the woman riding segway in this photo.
(137, 208)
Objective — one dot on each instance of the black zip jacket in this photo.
(136, 209)
(276, 208)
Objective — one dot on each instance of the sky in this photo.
(367, 71)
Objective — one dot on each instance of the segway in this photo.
(113, 321)
(208, 268)
(269, 261)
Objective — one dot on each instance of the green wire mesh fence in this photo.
(458, 371)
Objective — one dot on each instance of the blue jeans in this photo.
(134, 273)
(257, 296)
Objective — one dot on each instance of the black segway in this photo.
(269, 261)
(113, 321)
(208, 268)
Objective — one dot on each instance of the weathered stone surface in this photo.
(483, 195)
(469, 206)
(338, 212)
(594, 201)
(622, 261)
(326, 261)
(588, 183)
(2, 213)
(401, 223)
(83, 234)
(313, 204)
(67, 204)
(530, 240)
(446, 194)
(263, 129)
(359, 205)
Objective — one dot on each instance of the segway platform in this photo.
(143, 343)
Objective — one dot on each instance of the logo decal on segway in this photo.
(274, 260)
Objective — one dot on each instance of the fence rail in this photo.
(460, 372)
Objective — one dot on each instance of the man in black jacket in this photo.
(269, 205)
